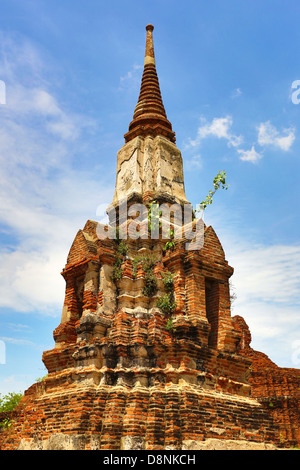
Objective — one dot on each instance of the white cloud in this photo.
(131, 73)
(268, 273)
(249, 155)
(16, 382)
(194, 162)
(25, 100)
(22, 342)
(30, 280)
(131, 80)
(44, 199)
(267, 286)
(18, 327)
(221, 129)
(274, 329)
(218, 127)
(44, 224)
(20, 59)
(236, 93)
(269, 135)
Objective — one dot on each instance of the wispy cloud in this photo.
(44, 199)
(221, 128)
(15, 382)
(218, 127)
(132, 78)
(236, 93)
(18, 341)
(268, 273)
(18, 327)
(269, 135)
(267, 285)
(249, 155)
(194, 162)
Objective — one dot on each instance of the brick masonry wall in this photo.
(119, 376)
(158, 417)
(277, 388)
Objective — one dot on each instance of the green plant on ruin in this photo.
(10, 401)
(170, 325)
(151, 285)
(168, 280)
(6, 423)
(166, 303)
(117, 269)
(154, 215)
(122, 250)
(135, 264)
(218, 181)
(154, 224)
(148, 262)
(169, 245)
(41, 379)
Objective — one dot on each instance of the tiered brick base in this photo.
(117, 417)
(120, 377)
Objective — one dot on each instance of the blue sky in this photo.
(72, 72)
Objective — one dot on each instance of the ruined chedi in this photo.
(146, 354)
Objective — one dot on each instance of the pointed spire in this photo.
(149, 116)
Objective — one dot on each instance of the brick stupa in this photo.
(128, 371)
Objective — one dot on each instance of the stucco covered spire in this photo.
(149, 116)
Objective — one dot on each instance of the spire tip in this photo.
(149, 117)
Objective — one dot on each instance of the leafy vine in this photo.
(218, 181)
